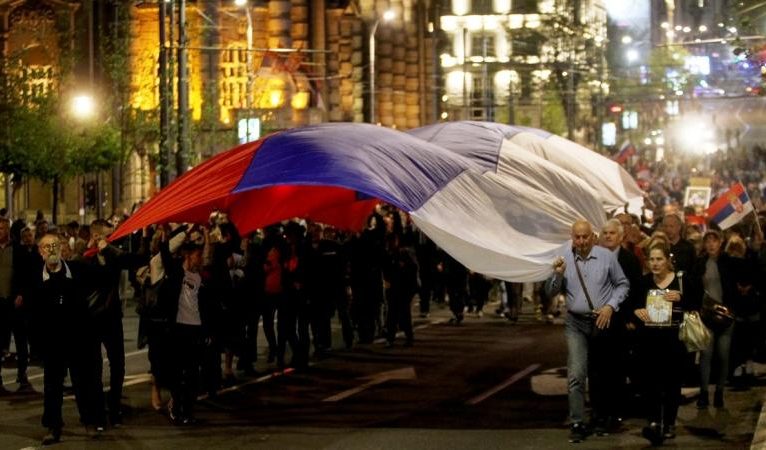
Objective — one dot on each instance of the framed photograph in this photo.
(697, 197)
(660, 310)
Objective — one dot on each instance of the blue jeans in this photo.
(588, 358)
(720, 346)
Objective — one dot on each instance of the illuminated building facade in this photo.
(307, 61)
(500, 57)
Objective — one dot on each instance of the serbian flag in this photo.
(626, 151)
(731, 207)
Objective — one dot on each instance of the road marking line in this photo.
(127, 355)
(759, 436)
(516, 377)
(406, 373)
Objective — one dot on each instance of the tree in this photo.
(575, 56)
(40, 139)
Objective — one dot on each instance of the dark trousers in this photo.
(287, 317)
(399, 316)
(109, 333)
(187, 347)
(265, 307)
(158, 343)
(79, 359)
(344, 316)
(14, 321)
(426, 287)
(321, 318)
(457, 298)
(662, 355)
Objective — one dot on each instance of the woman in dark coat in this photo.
(660, 350)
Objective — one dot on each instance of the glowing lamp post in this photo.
(83, 107)
(387, 17)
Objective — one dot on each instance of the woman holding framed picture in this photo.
(660, 351)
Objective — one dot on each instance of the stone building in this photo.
(307, 62)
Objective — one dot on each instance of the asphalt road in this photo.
(484, 384)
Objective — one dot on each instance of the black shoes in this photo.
(577, 433)
(653, 433)
(703, 401)
(53, 436)
(669, 432)
(718, 399)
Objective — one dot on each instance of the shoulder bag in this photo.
(692, 331)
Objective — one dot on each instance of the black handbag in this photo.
(717, 317)
(714, 315)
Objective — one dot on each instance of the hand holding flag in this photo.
(731, 207)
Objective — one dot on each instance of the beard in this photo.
(53, 260)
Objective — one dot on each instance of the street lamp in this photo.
(388, 16)
(83, 107)
(249, 62)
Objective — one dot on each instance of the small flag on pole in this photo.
(626, 151)
(731, 207)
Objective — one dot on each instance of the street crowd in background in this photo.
(202, 291)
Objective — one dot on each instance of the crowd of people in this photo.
(629, 352)
(203, 291)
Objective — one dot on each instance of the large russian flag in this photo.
(731, 207)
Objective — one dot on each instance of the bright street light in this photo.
(388, 16)
(631, 55)
(627, 39)
(240, 2)
(83, 106)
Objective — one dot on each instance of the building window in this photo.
(524, 6)
(38, 79)
(481, 7)
(525, 44)
(479, 41)
(233, 78)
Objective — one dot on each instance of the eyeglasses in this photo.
(50, 247)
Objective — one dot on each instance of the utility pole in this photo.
(165, 87)
(182, 158)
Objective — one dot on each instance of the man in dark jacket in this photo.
(613, 238)
(684, 254)
(105, 308)
(62, 312)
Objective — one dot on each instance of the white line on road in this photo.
(516, 377)
(127, 355)
(759, 437)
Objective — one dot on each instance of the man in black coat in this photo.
(62, 312)
(613, 238)
(684, 254)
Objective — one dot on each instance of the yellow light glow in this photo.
(515, 21)
(455, 82)
(300, 100)
(276, 98)
(546, 6)
(461, 7)
(474, 23)
(449, 23)
(532, 21)
(501, 6)
(83, 106)
(448, 60)
(269, 91)
(542, 75)
(490, 23)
